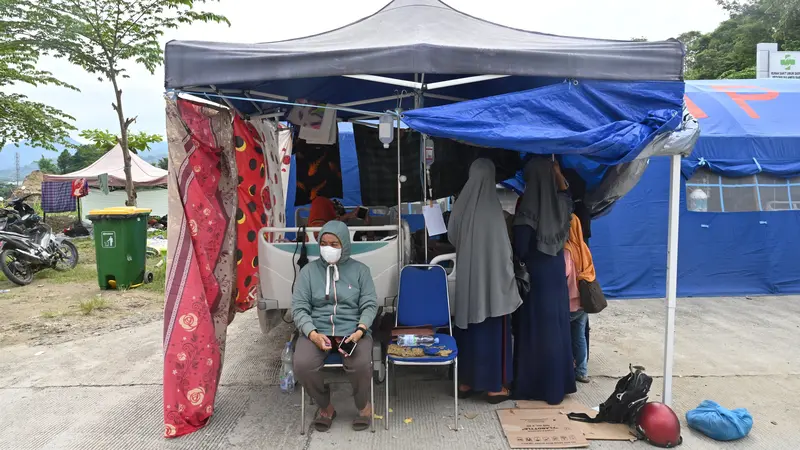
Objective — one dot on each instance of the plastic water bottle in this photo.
(412, 340)
(287, 372)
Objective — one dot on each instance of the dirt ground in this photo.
(59, 307)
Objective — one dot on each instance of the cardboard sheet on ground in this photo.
(540, 428)
(592, 431)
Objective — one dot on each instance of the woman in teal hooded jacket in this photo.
(334, 301)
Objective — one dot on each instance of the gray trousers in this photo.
(309, 359)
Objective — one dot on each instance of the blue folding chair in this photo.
(334, 361)
(423, 299)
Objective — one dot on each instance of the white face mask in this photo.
(330, 255)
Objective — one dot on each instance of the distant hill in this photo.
(10, 175)
(157, 151)
(28, 156)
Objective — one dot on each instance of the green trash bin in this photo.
(120, 242)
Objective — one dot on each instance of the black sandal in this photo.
(496, 399)
(361, 423)
(465, 394)
(323, 424)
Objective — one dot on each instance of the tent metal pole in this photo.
(386, 80)
(400, 245)
(445, 97)
(375, 100)
(672, 273)
(460, 81)
(419, 103)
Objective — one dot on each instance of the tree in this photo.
(46, 165)
(137, 142)
(64, 162)
(22, 119)
(102, 35)
(83, 157)
(730, 50)
(163, 163)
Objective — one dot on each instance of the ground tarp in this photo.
(113, 164)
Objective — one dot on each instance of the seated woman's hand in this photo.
(355, 337)
(320, 340)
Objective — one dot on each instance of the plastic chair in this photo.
(423, 299)
(334, 361)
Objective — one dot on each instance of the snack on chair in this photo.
(334, 361)
(422, 300)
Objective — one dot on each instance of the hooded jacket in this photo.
(351, 298)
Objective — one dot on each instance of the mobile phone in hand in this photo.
(362, 212)
(348, 347)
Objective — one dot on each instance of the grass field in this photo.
(60, 306)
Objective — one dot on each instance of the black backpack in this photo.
(621, 407)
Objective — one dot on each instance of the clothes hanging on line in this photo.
(102, 180)
(80, 188)
(57, 197)
(317, 125)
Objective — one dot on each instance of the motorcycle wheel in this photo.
(18, 272)
(70, 258)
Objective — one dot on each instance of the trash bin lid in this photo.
(119, 211)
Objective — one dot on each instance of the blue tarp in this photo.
(604, 121)
(741, 253)
(747, 127)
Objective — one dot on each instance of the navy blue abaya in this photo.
(543, 365)
(484, 354)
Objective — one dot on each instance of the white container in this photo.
(698, 201)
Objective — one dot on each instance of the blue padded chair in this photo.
(423, 299)
(334, 361)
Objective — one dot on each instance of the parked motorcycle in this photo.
(27, 245)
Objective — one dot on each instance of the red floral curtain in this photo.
(200, 278)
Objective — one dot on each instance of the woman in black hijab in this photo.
(543, 363)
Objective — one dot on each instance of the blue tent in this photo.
(748, 126)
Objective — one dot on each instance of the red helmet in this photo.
(657, 424)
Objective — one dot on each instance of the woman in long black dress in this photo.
(543, 362)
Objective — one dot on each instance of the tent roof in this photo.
(409, 37)
(748, 126)
(112, 163)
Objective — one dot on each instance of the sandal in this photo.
(361, 423)
(462, 394)
(495, 399)
(323, 424)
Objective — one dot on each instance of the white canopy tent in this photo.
(113, 164)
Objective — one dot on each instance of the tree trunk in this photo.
(123, 142)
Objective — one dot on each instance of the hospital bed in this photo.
(277, 266)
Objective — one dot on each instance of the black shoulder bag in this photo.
(592, 298)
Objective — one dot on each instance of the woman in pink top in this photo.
(579, 265)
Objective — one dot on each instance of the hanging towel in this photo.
(57, 197)
(102, 180)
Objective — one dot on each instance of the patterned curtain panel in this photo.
(201, 266)
(251, 214)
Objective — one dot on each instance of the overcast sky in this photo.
(253, 21)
